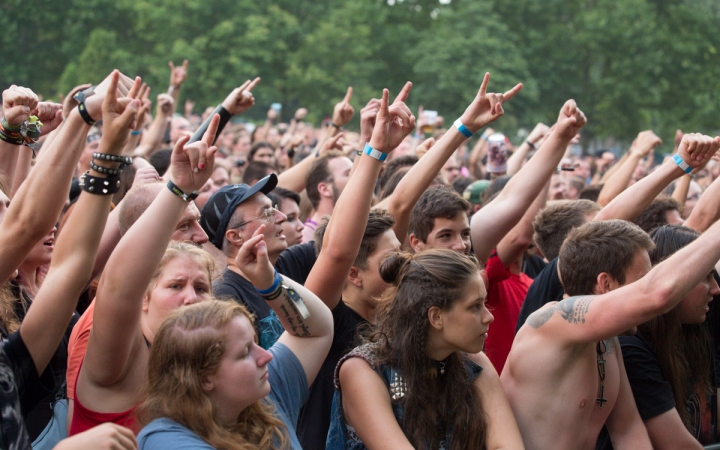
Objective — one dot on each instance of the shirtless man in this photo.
(564, 376)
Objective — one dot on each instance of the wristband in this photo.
(98, 185)
(484, 136)
(123, 160)
(85, 114)
(336, 126)
(135, 132)
(681, 164)
(180, 193)
(10, 128)
(531, 145)
(463, 129)
(380, 156)
(11, 139)
(271, 289)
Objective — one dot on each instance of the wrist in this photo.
(186, 193)
(11, 125)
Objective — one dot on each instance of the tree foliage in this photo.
(630, 65)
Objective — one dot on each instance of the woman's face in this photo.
(694, 307)
(293, 226)
(42, 252)
(265, 154)
(183, 281)
(242, 378)
(466, 324)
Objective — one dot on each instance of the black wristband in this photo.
(336, 126)
(180, 193)
(99, 185)
(11, 140)
(85, 114)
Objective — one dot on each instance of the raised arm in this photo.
(74, 257)
(634, 200)
(177, 78)
(345, 230)
(618, 181)
(17, 104)
(307, 321)
(515, 162)
(152, 139)
(514, 244)
(37, 205)
(485, 109)
(118, 305)
(497, 218)
(237, 102)
(294, 178)
(707, 210)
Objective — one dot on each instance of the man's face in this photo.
(254, 208)
(339, 169)
(452, 234)
(189, 229)
(451, 170)
(265, 154)
(558, 188)
(373, 284)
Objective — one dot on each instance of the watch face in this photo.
(82, 95)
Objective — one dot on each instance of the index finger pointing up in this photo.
(348, 95)
(209, 136)
(253, 83)
(484, 84)
(404, 92)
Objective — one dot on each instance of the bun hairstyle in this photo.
(419, 281)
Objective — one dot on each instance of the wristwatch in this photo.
(80, 97)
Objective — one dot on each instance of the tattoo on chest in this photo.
(574, 309)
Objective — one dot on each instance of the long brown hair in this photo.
(683, 351)
(431, 407)
(189, 346)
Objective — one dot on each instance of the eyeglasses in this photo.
(268, 214)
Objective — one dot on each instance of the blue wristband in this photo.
(682, 164)
(463, 129)
(380, 156)
(272, 288)
(135, 132)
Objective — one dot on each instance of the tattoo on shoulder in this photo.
(538, 318)
(574, 309)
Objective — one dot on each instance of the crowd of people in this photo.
(196, 281)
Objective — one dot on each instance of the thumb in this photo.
(131, 109)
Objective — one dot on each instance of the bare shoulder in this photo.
(572, 310)
(357, 370)
(542, 315)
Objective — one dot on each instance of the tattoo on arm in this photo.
(293, 317)
(574, 309)
(538, 318)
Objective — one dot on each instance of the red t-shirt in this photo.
(506, 292)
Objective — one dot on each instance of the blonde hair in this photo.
(189, 346)
(178, 249)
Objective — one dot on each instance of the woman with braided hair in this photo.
(421, 380)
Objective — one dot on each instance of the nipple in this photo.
(582, 404)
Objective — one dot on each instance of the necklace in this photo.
(433, 371)
(600, 349)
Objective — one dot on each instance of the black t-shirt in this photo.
(533, 265)
(295, 263)
(713, 324)
(545, 288)
(18, 376)
(653, 393)
(314, 420)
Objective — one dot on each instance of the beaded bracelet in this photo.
(123, 160)
(105, 170)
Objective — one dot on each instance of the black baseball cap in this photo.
(216, 213)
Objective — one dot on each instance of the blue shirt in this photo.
(288, 392)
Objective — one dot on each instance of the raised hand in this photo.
(18, 104)
(343, 111)
(334, 143)
(241, 98)
(50, 114)
(536, 134)
(486, 108)
(645, 142)
(165, 105)
(145, 105)
(367, 120)
(252, 260)
(69, 101)
(393, 123)
(424, 147)
(94, 103)
(696, 149)
(191, 165)
(177, 74)
(570, 120)
(145, 175)
(300, 114)
(119, 116)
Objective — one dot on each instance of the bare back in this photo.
(553, 386)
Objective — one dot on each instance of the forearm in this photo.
(72, 263)
(634, 200)
(294, 178)
(262, 132)
(514, 244)
(24, 164)
(611, 170)
(707, 210)
(225, 117)
(110, 238)
(152, 139)
(681, 190)
(476, 157)
(310, 318)
(515, 162)
(618, 181)
(132, 143)
(39, 201)
(9, 154)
